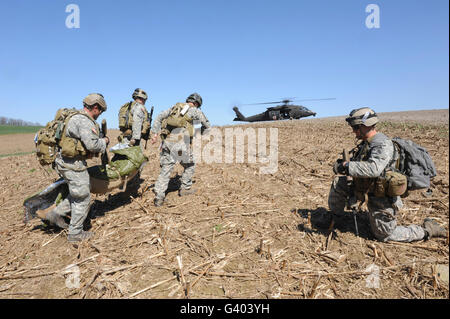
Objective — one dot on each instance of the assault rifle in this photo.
(147, 134)
(105, 158)
(351, 203)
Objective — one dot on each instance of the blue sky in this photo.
(230, 52)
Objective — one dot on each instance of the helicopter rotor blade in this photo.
(330, 98)
(263, 103)
(288, 100)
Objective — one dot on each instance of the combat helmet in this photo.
(95, 98)
(140, 93)
(195, 97)
(363, 116)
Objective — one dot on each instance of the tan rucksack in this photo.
(178, 118)
(47, 138)
(126, 119)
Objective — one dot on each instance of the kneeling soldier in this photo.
(373, 157)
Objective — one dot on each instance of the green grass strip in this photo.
(16, 154)
(9, 129)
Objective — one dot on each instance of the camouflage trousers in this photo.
(382, 214)
(77, 202)
(171, 153)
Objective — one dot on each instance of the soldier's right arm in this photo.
(79, 126)
(156, 127)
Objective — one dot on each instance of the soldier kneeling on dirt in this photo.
(372, 159)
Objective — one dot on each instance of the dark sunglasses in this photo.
(356, 127)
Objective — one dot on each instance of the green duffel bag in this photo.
(124, 165)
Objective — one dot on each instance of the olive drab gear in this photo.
(126, 120)
(392, 182)
(139, 93)
(414, 169)
(52, 138)
(195, 97)
(95, 98)
(363, 116)
(73, 147)
(178, 118)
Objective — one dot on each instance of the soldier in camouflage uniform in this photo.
(176, 146)
(372, 158)
(84, 132)
(138, 113)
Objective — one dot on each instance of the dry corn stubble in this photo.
(218, 231)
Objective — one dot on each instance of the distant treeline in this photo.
(15, 122)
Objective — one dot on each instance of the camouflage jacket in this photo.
(373, 157)
(138, 113)
(85, 129)
(194, 113)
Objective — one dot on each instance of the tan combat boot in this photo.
(433, 228)
(84, 235)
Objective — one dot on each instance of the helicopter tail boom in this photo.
(239, 115)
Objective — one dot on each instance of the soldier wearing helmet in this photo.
(133, 119)
(176, 128)
(371, 159)
(82, 132)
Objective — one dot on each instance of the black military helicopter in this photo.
(280, 112)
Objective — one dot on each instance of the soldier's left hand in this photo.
(339, 167)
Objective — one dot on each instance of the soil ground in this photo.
(242, 235)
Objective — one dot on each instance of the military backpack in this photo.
(178, 118)
(126, 120)
(415, 162)
(52, 138)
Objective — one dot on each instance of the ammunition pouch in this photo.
(72, 148)
(391, 184)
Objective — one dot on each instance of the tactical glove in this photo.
(339, 168)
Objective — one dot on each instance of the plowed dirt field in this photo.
(244, 234)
